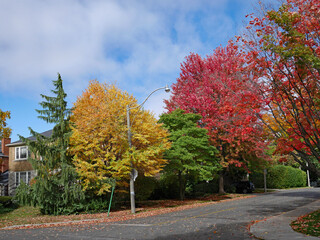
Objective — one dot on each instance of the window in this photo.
(22, 176)
(22, 153)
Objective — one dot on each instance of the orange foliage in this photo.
(100, 142)
(5, 131)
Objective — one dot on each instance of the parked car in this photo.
(244, 187)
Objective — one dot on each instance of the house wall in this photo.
(17, 166)
(12, 181)
(3, 190)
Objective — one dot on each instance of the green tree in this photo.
(191, 153)
(54, 189)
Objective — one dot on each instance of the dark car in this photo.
(244, 187)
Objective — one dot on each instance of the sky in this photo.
(137, 45)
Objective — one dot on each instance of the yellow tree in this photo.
(100, 143)
(5, 131)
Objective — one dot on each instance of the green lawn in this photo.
(308, 224)
(18, 216)
(21, 212)
(261, 190)
(31, 215)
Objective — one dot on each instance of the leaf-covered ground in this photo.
(29, 217)
(308, 224)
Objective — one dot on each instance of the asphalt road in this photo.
(227, 220)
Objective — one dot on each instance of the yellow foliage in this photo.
(5, 131)
(100, 142)
(275, 120)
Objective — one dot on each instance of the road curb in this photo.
(278, 227)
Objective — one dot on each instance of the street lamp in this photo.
(134, 172)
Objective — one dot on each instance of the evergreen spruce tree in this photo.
(55, 189)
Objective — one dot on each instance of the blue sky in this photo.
(139, 45)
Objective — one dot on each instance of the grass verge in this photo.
(308, 224)
(261, 190)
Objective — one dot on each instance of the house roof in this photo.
(32, 138)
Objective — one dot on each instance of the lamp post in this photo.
(134, 172)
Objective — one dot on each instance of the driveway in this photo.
(226, 220)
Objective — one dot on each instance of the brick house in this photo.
(20, 169)
(4, 166)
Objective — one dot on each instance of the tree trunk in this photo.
(181, 186)
(221, 184)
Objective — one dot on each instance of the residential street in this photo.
(227, 220)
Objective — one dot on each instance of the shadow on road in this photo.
(218, 231)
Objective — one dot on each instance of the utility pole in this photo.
(308, 175)
(265, 179)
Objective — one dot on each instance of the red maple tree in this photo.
(285, 54)
(220, 88)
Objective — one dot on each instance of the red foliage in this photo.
(220, 88)
(286, 55)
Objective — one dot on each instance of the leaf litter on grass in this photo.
(308, 224)
(30, 217)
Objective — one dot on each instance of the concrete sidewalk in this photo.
(278, 227)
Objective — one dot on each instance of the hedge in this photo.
(6, 204)
(280, 176)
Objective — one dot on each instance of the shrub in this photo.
(92, 205)
(204, 188)
(6, 204)
(144, 187)
(89, 204)
(5, 201)
(276, 176)
(280, 176)
(299, 178)
(257, 179)
(167, 187)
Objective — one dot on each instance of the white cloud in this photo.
(136, 43)
(155, 104)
